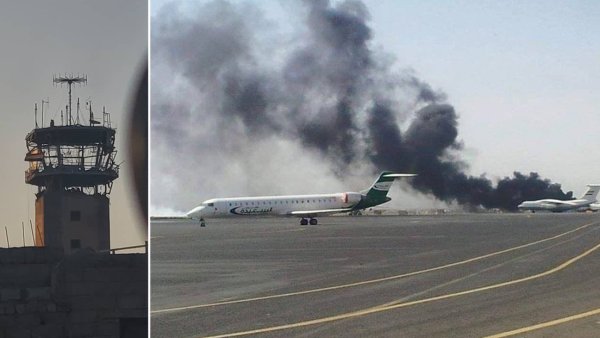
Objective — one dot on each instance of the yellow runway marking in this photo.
(479, 272)
(546, 324)
(378, 280)
(416, 302)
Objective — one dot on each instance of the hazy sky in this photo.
(107, 41)
(523, 76)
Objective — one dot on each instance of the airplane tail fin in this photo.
(591, 193)
(382, 185)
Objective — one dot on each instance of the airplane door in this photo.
(213, 208)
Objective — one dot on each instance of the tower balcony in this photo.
(72, 176)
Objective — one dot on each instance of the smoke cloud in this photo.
(232, 98)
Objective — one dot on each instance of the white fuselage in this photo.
(554, 205)
(272, 205)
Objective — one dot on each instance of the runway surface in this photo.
(476, 275)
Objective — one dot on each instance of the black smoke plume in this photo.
(326, 89)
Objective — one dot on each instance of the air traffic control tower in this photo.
(73, 166)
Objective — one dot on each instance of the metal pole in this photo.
(6, 231)
(70, 112)
(23, 227)
(38, 232)
(32, 237)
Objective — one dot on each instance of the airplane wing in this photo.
(312, 213)
(557, 203)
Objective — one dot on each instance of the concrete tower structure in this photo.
(73, 166)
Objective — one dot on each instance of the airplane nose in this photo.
(195, 213)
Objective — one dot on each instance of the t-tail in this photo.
(377, 193)
(592, 193)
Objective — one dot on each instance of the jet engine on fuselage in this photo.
(351, 198)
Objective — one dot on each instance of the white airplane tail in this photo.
(591, 193)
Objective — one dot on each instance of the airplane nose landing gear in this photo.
(202, 223)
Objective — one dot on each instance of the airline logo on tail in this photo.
(383, 186)
(591, 193)
(377, 193)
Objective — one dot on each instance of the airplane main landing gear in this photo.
(304, 221)
(202, 223)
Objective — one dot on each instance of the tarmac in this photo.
(472, 275)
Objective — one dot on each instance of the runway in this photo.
(475, 275)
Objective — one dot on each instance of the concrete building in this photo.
(44, 293)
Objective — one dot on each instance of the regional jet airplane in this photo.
(307, 207)
(563, 205)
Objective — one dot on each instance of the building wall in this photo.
(54, 221)
(86, 294)
(39, 222)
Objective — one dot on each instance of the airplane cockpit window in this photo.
(211, 204)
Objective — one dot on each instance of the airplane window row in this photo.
(235, 204)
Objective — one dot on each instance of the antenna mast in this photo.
(44, 101)
(69, 80)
